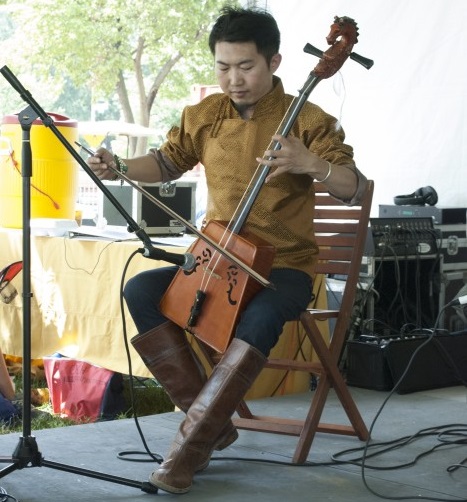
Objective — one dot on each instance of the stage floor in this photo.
(244, 471)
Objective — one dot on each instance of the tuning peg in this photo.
(365, 62)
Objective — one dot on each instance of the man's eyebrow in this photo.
(245, 61)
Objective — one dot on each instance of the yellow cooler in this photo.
(54, 181)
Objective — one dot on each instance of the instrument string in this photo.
(226, 237)
(256, 180)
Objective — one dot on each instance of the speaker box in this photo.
(367, 366)
(452, 282)
(179, 196)
(379, 364)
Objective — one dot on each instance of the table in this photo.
(75, 307)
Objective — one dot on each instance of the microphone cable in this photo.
(124, 455)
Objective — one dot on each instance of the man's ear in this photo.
(275, 62)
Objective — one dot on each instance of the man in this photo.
(228, 133)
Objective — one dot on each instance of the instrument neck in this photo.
(262, 171)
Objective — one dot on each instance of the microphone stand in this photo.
(149, 250)
(26, 453)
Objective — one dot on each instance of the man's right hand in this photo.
(100, 162)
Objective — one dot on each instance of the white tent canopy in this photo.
(406, 117)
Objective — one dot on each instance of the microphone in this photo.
(184, 261)
(462, 300)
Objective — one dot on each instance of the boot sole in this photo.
(167, 488)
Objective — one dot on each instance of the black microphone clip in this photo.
(185, 261)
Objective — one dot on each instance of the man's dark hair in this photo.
(247, 25)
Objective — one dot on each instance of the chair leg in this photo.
(312, 423)
(331, 377)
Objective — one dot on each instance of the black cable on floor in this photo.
(4, 497)
(443, 433)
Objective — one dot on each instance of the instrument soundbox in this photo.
(213, 315)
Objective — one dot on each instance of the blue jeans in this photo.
(260, 324)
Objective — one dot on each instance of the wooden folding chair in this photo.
(341, 234)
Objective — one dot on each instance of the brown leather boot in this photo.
(208, 416)
(170, 358)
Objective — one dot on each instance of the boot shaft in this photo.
(208, 416)
(172, 361)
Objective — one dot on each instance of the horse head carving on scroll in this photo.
(342, 37)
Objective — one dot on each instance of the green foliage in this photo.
(146, 397)
(143, 395)
(74, 102)
(139, 48)
(7, 28)
(42, 417)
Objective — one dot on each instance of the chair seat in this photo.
(314, 368)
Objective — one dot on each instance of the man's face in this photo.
(242, 73)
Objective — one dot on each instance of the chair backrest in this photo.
(341, 232)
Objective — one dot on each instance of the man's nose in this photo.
(235, 76)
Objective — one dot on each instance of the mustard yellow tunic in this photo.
(213, 133)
